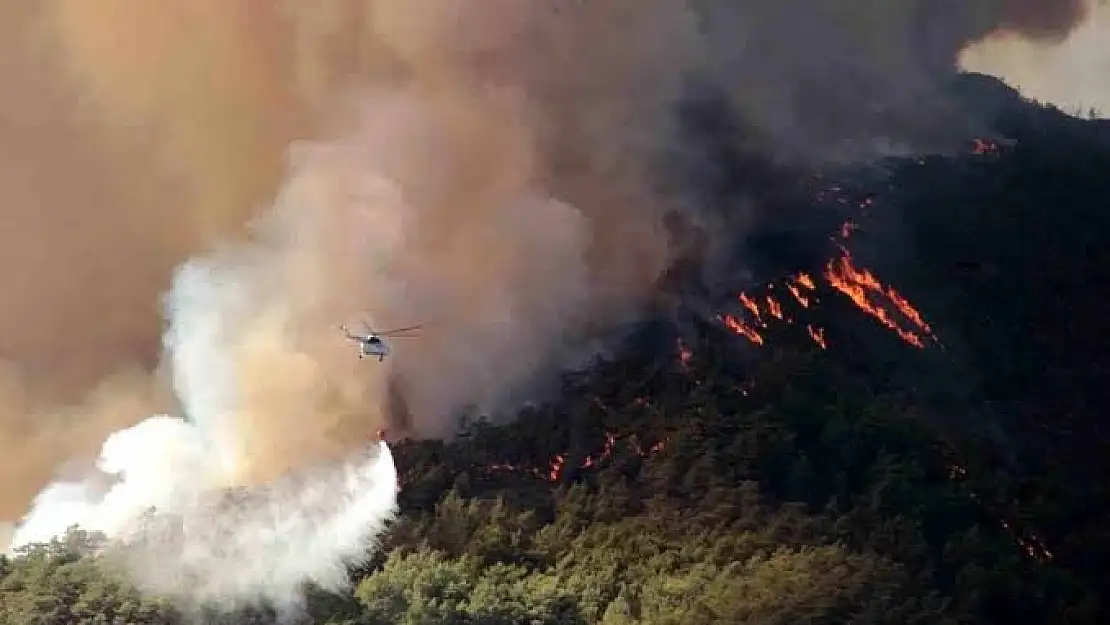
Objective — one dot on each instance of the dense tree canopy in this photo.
(714, 480)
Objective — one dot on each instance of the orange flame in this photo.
(753, 308)
(801, 299)
(739, 327)
(858, 284)
(795, 286)
(556, 467)
(1029, 542)
(771, 307)
(908, 310)
(774, 308)
(797, 293)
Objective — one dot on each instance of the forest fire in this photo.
(860, 285)
(554, 470)
(799, 286)
(741, 328)
(1029, 542)
(755, 314)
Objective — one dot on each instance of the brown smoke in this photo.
(1044, 20)
(525, 139)
(109, 178)
(1067, 72)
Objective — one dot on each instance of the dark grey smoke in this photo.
(849, 79)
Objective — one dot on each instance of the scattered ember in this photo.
(556, 467)
(984, 146)
(1028, 541)
(684, 353)
(847, 228)
(818, 336)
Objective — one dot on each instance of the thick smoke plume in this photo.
(242, 511)
(497, 170)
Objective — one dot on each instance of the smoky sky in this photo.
(134, 137)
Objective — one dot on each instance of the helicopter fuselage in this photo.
(373, 346)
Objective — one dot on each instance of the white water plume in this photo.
(229, 547)
(207, 540)
(212, 508)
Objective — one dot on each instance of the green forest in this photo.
(829, 471)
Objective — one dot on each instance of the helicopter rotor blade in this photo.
(398, 330)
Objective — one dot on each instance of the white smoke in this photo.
(204, 544)
(156, 462)
(246, 544)
(208, 541)
(225, 505)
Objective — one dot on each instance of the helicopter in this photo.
(373, 343)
